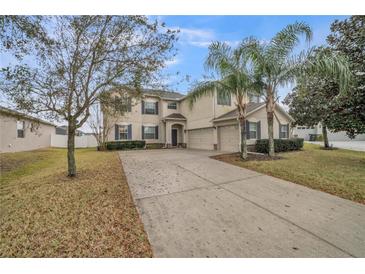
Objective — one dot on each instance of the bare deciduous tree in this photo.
(84, 56)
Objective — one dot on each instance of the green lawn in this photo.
(46, 214)
(339, 172)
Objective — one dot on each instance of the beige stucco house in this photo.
(21, 132)
(211, 123)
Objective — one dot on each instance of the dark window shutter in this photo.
(156, 132)
(259, 130)
(142, 132)
(156, 107)
(142, 107)
(287, 130)
(130, 132)
(129, 105)
(116, 132)
(247, 129)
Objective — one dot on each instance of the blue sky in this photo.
(196, 33)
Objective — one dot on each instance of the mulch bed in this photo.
(251, 157)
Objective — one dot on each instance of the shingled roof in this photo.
(163, 94)
(175, 116)
(234, 113)
(15, 113)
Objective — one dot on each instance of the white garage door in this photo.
(228, 138)
(201, 138)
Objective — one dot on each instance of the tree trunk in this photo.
(270, 120)
(71, 151)
(325, 136)
(243, 138)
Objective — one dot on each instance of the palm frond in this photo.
(201, 89)
(284, 42)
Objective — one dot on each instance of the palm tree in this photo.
(235, 79)
(277, 65)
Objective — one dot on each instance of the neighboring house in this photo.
(62, 130)
(21, 132)
(211, 123)
(307, 133)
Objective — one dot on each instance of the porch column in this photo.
(215, 138)
(168, 134)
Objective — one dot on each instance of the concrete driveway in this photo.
(194, 206)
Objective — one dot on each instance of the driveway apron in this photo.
(195, 206)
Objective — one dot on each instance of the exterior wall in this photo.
(261, 116)
(199, 116)
(39, 138)
(203, 111)
(137, 120)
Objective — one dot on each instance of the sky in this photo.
(197, 32)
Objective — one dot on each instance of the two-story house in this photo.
(211, 123)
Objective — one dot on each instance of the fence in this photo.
(80, 141)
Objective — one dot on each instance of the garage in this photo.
(201, 138)
(228, 138)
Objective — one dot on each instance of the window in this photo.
(123, 104)
(20, 125)
(224, 99)
(284, 131)
(172, 105)
(253, 130)
(123, 132)
(150, 108)
(149, 133)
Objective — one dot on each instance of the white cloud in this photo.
(196, 37)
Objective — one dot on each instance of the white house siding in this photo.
(201, 139)
(38, 138)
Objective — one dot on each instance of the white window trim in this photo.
(23, 128)
(154, 131)
(126, 132)
(252, 130)
(175, 103)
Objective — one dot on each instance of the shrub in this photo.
(124, 145)
(280, 145)
(319, 138)
(154, 146)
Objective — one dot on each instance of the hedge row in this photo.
(123, 145)
(280, 145)
(155, 145)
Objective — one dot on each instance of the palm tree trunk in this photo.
(325, 136)
(270, 120)
(243, 138)
(71, 163)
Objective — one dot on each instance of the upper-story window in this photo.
(123, 104)
(20, 125)
(224, 99)
(149, 107)
(172, 105)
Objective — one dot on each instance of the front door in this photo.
(174, 137)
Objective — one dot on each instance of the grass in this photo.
(339, 172)
(44, 213)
